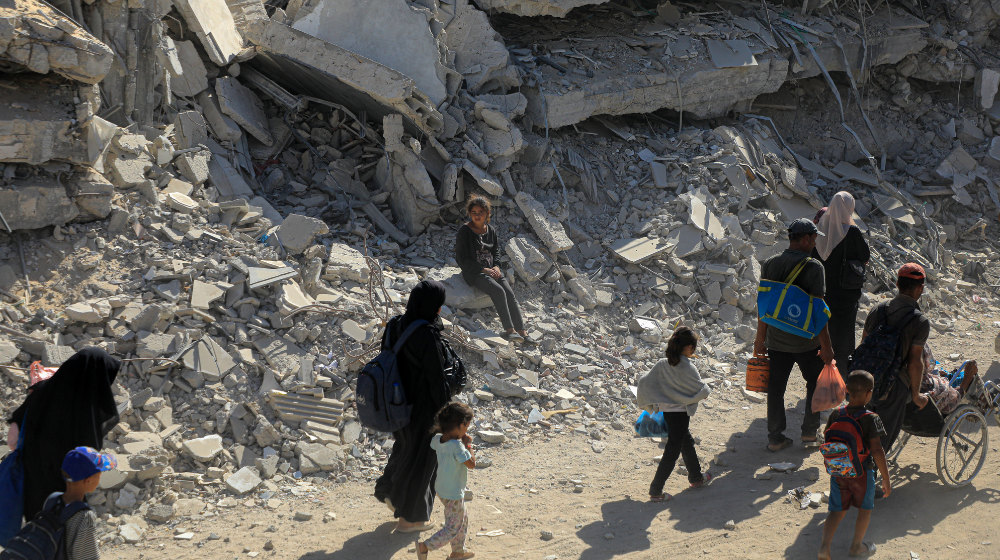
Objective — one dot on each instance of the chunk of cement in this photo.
(244, 107)
(389, 32)
(346, 263)
(40, 202)
(212, 21)
(315, 67)
(203, 449)
(549, 230)
(243, 480)
(480, 54)
(279, 353)
(459, 294)
(529, 262)
(193, 78)
(209, 358)
(638, 250)
(297, 232)
(483, 179)
(224, 127)
(686, 240)
(204, 293)
(730, 53)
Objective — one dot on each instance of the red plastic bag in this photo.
(830, 389)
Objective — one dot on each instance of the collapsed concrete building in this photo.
(199, 181)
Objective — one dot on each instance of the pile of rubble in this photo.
(235, 197)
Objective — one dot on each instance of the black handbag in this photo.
(852, 273)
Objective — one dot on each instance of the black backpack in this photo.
(454, 370)
(880, 354)
(42, 537)
(381, 400)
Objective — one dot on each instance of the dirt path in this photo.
(528, 490)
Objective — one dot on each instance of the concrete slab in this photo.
(704, 219)
(279, 353)
(730, 53)
(37, 202)
(244, 107)
(483, 179)
(346, 263)
(638, 250)
(260, 277)
(480, 54)
(549, 230)
(209, 358)
(225, 128)
(531, 8)
(310, 66)
(35, 122)
(204, 293)
(686, 240)
(459, 294)
(297, 232)
(193, 77)
(849, 172)
(212, 21)
(366, 27)
(295, 408)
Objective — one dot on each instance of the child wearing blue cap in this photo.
(82, 470)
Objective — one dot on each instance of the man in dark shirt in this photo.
(786, 349)
(910, 282)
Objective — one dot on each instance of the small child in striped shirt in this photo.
(81, 469)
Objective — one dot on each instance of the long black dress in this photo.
(843, 302)
(73, 408)
(408, 479)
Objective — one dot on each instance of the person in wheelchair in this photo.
(937, 384)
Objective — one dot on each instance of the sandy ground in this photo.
(526, 491)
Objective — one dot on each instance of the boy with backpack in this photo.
(65, 528)
(851, 452)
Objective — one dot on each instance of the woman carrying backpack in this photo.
(74, 408)
(845, 254)
(407, 484)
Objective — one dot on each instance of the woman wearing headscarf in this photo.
(407, 484)
(844, 254)
(73, 408)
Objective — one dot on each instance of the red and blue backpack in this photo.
(846, 451)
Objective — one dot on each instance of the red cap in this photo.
(912, 270)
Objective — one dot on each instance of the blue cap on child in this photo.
(84, 462)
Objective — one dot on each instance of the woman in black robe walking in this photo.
(73, 408)
(407, 484)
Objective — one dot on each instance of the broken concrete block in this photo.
(480, 54)
(512, 105)
(294, 408)
(366, 28)
(224, 127)
(346, 263)
(37, 202)
(181, 203)
(243, 480)
(130, 170)
(297, 232)
(532, 8)
(84, 312)
(584, 291)
(193, 77)
(203, 449)
(527, 259)
(549, 230)
(483, 179)
(37, 122)
(194, 166)
(212, 21)
(190, 130)
(459, 294)
(316, 67)
(204, 293)
(985, 88)
(244, 107)
(46, 40)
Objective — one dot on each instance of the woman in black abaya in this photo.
(407, 484)
(73, 408)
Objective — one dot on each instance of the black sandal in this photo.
(783, 445)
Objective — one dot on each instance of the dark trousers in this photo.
(810, 364)
(891, 410)
(679, 443)
(408, 479)
(503, 299)
(843, 327)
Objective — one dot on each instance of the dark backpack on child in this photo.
(42, 537)
(381, 401)
(879, 353)
(846, 450)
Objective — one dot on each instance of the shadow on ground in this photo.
(380, 544)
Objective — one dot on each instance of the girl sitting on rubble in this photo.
(477, 250)
(674, 388)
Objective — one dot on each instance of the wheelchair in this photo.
(963, 437)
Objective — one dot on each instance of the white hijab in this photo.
(835, 223)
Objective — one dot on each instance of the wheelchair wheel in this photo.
(962, 446)
(897, 447)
